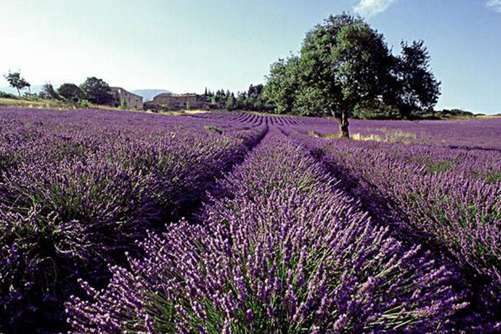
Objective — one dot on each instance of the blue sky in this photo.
(187, 45)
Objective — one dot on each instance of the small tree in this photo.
(419, 90)
(16, 81)
(282, 85)
(48, 92)
(71, 92)
(255, 91)
(230, 101)
(97, 91)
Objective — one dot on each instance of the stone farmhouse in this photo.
(179, 101)
(126, 99)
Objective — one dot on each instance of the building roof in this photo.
(125, 90)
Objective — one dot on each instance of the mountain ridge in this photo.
(149, 94)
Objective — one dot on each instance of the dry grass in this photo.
(399, 136)
(315, 134)
(488, 117)
(61, 105)
(390, 136)
(34, 103)
(181, 112)
(370, 137)
(49, 104)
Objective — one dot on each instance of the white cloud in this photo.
(370, 8)
(494, 5)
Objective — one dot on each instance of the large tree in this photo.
(345, 65)
(97, 91)
(71, 92)
(16, 81)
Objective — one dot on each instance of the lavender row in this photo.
(279, 250)
(450, 209)
(77, 189)
(479, 134)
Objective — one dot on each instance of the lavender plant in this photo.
(76, 194)
(453, 212)
(308, 234)
(285, 252)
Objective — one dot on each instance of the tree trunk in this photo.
(343, 125)
(18, 92)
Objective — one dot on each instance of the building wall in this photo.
(125, 98)
(190, 101)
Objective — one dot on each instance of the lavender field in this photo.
(128, 222)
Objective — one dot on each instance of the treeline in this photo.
(92, 90)
(457, 113)
(253, 99)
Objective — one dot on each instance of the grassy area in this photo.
(51, 104)
(489, 117)
(180, 112)
(28, 103)
(57, 104)
(390, 136)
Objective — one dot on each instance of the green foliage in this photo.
(343, 63)
(71, 92)
(84, 104)
(440, 166)
(5, 95)
(48, 92)
(345, 68)
(97, 91)
(309, 102)
(16, 81)
(253, 99)
(283, 84)
(213, 128)
(418, 89)
(30, 96)
(493, 177)
(376, 110)
(455, 113)
(230, 102)
(360, 61)
(124, 105)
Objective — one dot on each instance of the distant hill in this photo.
(149, 94)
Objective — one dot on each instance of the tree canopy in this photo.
(283, 85)
(344, 64)
(97, 91)
(49, 92)
(71, 92)
(252, 99)
(16, 81)
(419, 90)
